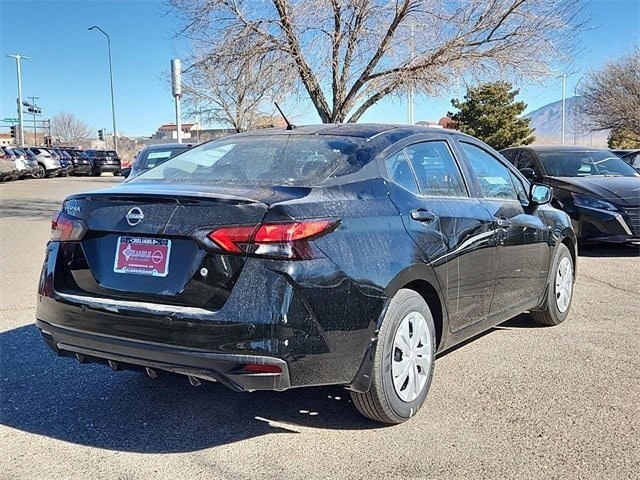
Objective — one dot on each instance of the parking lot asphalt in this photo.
(517, 402)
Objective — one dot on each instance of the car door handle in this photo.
(422, 215)
(503, 223)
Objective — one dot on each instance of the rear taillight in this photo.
(65, 228)
(291, 240)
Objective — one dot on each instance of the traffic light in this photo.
(13, 132)
(101, 134)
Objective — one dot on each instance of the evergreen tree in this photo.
(623, 138)
(490, 113)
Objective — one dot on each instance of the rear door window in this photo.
(400, 172)
(436, 170)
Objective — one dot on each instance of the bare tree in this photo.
(239, 93)
(69, 128)
(349, 54)
(612, 95)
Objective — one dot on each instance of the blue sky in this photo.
(68, 66)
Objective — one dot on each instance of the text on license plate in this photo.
(142, 256)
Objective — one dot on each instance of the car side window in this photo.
(527, 160)
(494, 178)
(400, 172)
(436, 170)
(521, 190)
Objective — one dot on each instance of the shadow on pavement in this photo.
(127, 411)
(34, 208)
(609, 250)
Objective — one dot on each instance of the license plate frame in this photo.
(142, 256)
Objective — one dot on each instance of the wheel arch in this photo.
(570, 241)
(422, 280)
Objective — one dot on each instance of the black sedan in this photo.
(331, 254)
(631, 156)
(599, 191)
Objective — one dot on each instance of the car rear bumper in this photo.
(201, 365)
(106, 167)
(320, 343)
(82, 169)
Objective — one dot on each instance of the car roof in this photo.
(366, 131)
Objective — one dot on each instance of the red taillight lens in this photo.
(232, 239)
(289, 240)
(261, 368)
(287, 232)
(65, 228)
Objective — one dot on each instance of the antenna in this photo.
(290, 126)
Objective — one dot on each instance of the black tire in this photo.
(40, 173)
(552, 314)
(96, 173)
(382, 402)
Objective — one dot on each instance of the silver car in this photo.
(8, 168)
(49, 163)
(27, 164)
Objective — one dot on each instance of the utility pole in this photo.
(20, 120)
(34, 108)
(176, 90)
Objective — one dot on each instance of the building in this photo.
(6, 140)
(169, 131)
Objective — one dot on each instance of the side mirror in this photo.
(125, 172)
(540, 194)
(528, 173)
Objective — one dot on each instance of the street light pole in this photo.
(113, 108)
(575, 108)
(20, 120)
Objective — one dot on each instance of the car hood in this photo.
(623, 191)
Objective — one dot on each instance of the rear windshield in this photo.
(303, 160)
(154, 157)
(585, 164)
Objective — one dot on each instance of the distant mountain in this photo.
(547, 123)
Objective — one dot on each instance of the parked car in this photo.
(114, 155)
(631, 156)
(26, 164)
(81, 161)
(333, 254)
(8, 168)
(66, 163)
(49, 163)
(153, 155)
(599, 191)
(102, 161)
